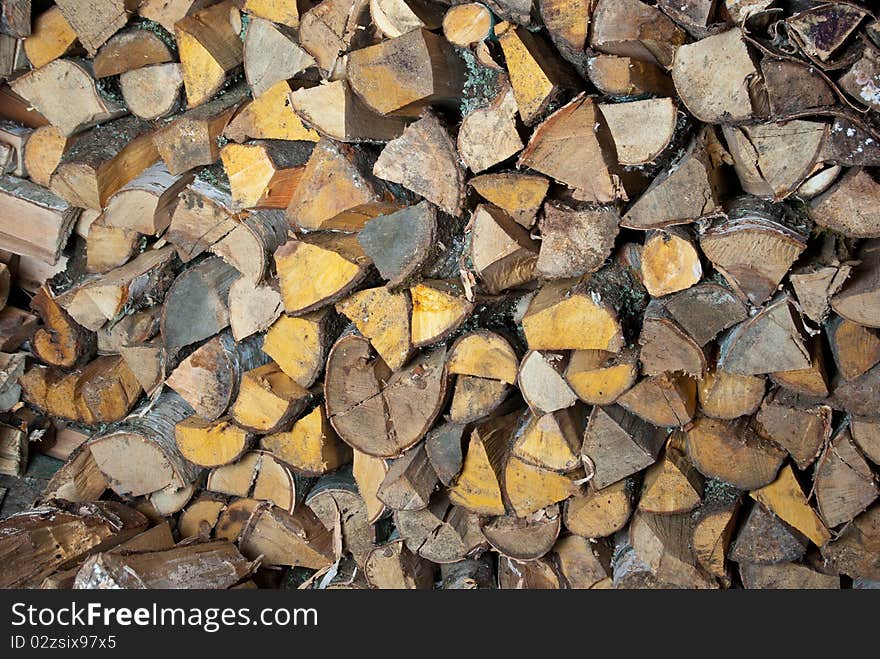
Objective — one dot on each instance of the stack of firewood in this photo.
(422, 293)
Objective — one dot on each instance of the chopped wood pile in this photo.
(432, 294)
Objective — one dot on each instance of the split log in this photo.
(396, 17)
(765, 539)
(282, 538)
(729, 396)
(574, 242)
(866, 434)
(95, 25)
(127, 288)
(204, 566)
(382, 317)
(269, 116)
(627, 76)
(261, 476)
(61, 341)
(769, 341)
(102, 161)
(720, 62)
(140, 456)
(200, 517)
(772, 160)
(853, 552)
(149, 361)
(209, 379)
(468, 574)
(369, 473)
(844, 483)
(445, 448)
(598, 513)
(210, 443)
(478, 487)
(838, 210)
(202, 216)
(421, 67)
(857, 300)
(146, 203)
(569, 148)
(733, 452)
(519, 194)
(800, 429)
(810, 381)
(403, 244)
(268, 399)
(542, 384)
(538, 78)
(271, 55)
(336, 502)
(195, 304)
(35, 222)
(79, 479)
(129, 50)
(43, 152)
(467, 24)
(524, 538)
(329, 30)
(410, 481)
(13, 450)
(16, 327)
(785, 499)
(61, 535)
(599, 377)
(233, 519)
(617, 444)
(786, 576)
(439, 307)
(311, 445)
(424, 159)
(642, 130)
(670, 262)
(705, 310)
(252, 307)
(502, 252)
(666, 348)
(441, 533)
(689, 189)
(552, 441)
(64, 92)
(103, 391)
(663, 400)
(209, 49)
(339, 256)
(263, 174)
(713, 528)
(190, 139)
(167, 12)
(393, 566)
(488, 135)
(338, 191)
(335, 111)
(657, 554)
(633, 29)
(672, 485)
(376, 412)
(152, 92)
(753, 247)
(527, 575)
(563, 317)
